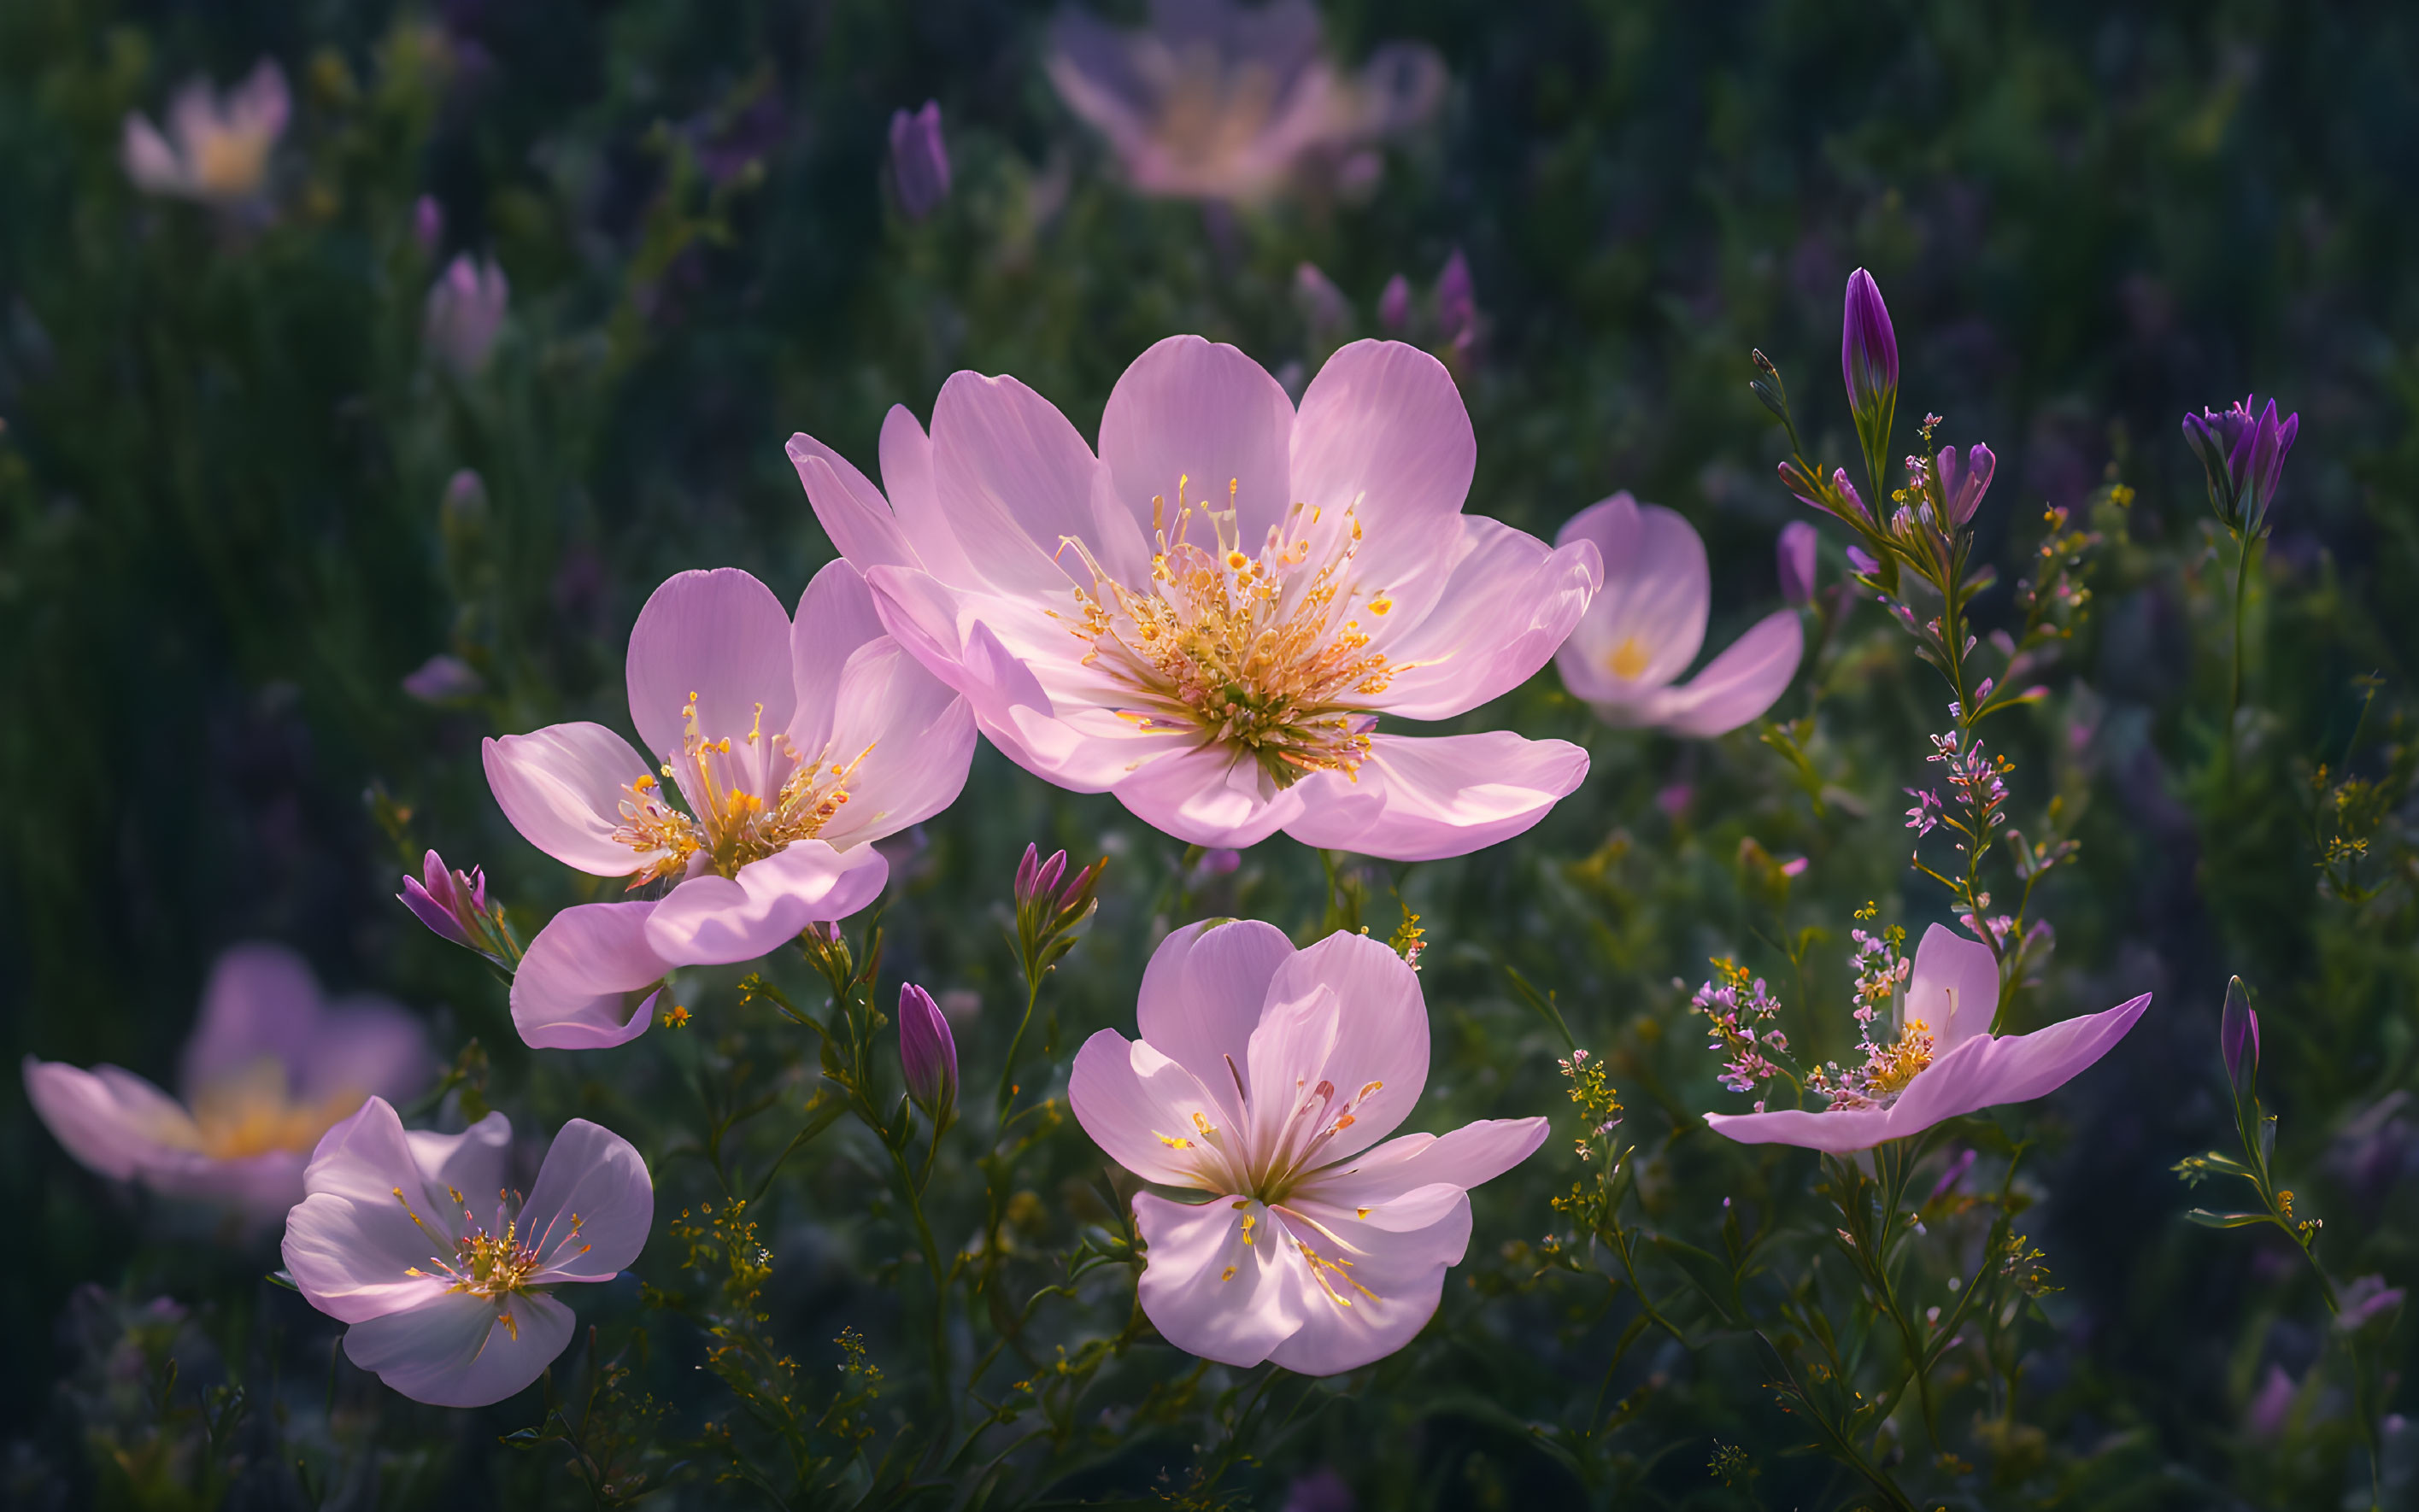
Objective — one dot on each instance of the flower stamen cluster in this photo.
(1269, 652)
(733, 824)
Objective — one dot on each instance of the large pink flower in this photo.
(269, 1068)
(444, 1276)
(1209, 617)
(794, 745)
(1961, 1067)
(1648, 624)
(1263, 1078)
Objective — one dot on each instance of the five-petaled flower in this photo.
(220, 152)
(794, 745)
(1209, 617)
(444, 1274)
(1265, 1078)
(269, 1068)
(1648, 623)
(1942, 1060)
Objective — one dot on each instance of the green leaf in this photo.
(2226, 1220)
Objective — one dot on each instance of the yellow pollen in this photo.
(731, 822)
(1229, 1275)
(1360, 1213)
(1628, 659)
(1174, 1143)
(1380, 604)
(1893, 1066)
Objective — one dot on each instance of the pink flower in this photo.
(1957, 1065)
(1209, 617)
(444, 1276)
(1647, 625)
(1264, 1077)
(794, 746)
(1224, 102)
(221, 144)
(466, 313)
(269, 1068)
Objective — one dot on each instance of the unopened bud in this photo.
(449, 903)
(1868, 348)
(2237, 1031)
(928, 1055)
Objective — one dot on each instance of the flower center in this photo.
(494, 1259)
(251, 1112)
(228, 162)
(734, 823)
(1265, 653)
(1267, 1173)
(1627, 660)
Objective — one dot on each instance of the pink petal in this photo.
(1470, 1155)
(2015, 1068)
(850, 509)
(1509, 604)
(588, 980)
(1014, 479)
(1208, 795)
(1739, 684)
(1136, 1103)
(262, 1003)
(1187, 408)
(112, 1121)
(907, 475)
(473, 1162)
(1290, 1047)
(1188, 1295)
(835, 620)
(712, 920)
(453, 1349)
(1954, 988)
(1656, 594)
(1005, 697)
(351, 1242)
(1383, 425)
(149, 162)
(363, 1045)
(1423, 799)
(1383, 1285)
(562, 788)
(1379, 1051)
(1202, 995)
(594, 1175)
(1837, 1133)
(721, 635)
(917, 737)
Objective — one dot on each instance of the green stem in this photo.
(915, 1201)
(2234, 683)
(1008, 1066)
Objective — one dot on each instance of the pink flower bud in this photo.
(928, 1055)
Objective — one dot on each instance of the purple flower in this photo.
(1962, 487)
(218, 146)
(1036, 876)
(1795, 552)
(449, 903)
(1868, 348)
(919, 159)
(1863, 561)
(442, 680)
(927, 1052)
(1395, 305)
(1456, 302)
(2238, 1030)
(465, 312)
(427, 223)
(2365, 1300)
(2244, 455)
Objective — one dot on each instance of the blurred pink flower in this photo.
(1219, 101)
(1647, 624)
(269, 1068)
(919, 159)
(1209, 617)
(466, 313)
(220, 152)
(794, 745)
(447, 1290)
(1263, 1078)
(1957, 1066)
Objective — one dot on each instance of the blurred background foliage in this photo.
(226, 538)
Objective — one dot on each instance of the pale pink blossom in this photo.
(794, 744)
(1218, 100)
(466, 313)
(1264, 1078)
(217, 147)
(1943, 1062)
(1210, 616)
(445, 1277)
(1647, 625)
(267, 1069)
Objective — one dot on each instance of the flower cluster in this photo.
(1739, 1015)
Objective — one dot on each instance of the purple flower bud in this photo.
(1456, 303)
(928, 1055)
(2364, 1300)
(1867, 346)
(2238, 1030)
(444, 678)
(1863, 561)
(1324, 307)
(1963, 488)
(1796, 556)
(919, 159)
(427, 223)
(1950, 1177)
(465, 314)
(449, 903)
(1394, 304)
(2242, 454)
(1848, 491)
(1038, 878)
